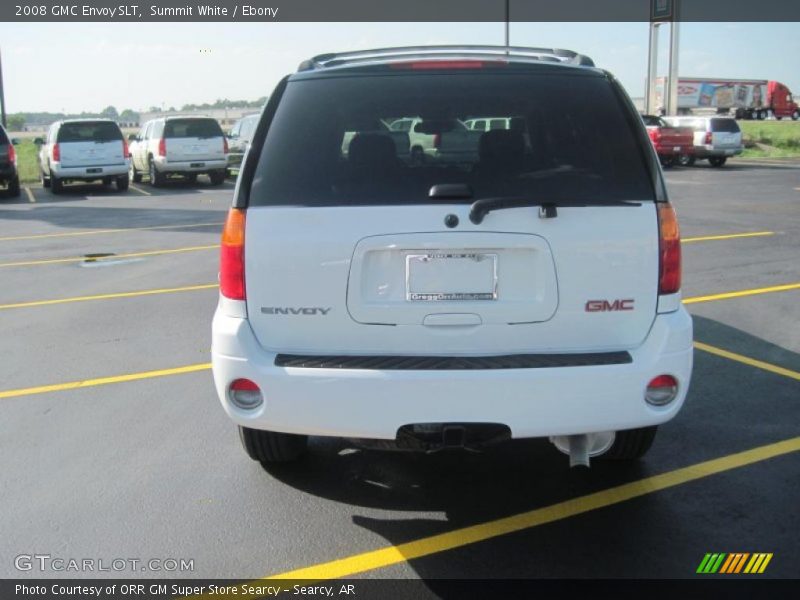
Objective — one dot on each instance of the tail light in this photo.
(12, 154)
(126, 153)
(427, 65)
(709, 138)
(245, 394)
(669, 245)
(231, 263)
(56, 153)
(661, 390)
(225, 145)
(162, 147)
(437, 140)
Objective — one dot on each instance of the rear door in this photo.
(194, 139)
(725, 134)
(348, 253)
(4, 149)
(90, 144)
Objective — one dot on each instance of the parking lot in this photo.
(114, 444)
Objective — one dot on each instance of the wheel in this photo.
(631, 444)
(761, 115)
(417, 155)
(796, 115)
(13, 188)
(686, 160)
(156, 178)
(717, 161)
(56, 186)
(667, 161)
(777, 118)
(269, 447)
(217, 177)
(122, 183)
(45, 180)
(133, 174)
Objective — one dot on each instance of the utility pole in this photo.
(508, 23)
(2, 96)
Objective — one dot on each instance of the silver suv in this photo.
(715, 138)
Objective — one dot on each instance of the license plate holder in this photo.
(451, 276)
(197, 165)
(94, 170)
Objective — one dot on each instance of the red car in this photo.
(671, 143)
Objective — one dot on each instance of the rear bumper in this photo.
(191, 166)
(674, 150)
(709, 151)
(376, 403)
(86, 173)
(7, 172)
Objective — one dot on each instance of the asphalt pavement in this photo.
(114, 445)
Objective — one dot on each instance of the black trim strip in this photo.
(453, 363)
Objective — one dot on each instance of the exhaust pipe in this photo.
(578, 450)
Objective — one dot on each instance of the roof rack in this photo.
(518, 53)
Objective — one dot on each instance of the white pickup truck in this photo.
(449, 139)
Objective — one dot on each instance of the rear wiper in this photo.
(547, 208)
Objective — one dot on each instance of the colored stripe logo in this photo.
(734, 563)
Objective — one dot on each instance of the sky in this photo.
(75, 67)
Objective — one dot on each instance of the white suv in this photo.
(532, 293)
(83, 150)
(186, 146)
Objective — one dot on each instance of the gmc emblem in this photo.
(606, 306)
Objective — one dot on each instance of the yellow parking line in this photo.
(742, 293)
(188, 288)
(140, 190)
(29, 193)
(708, 238)
(101, 231)
(72, 385)
(758, 364)
(52, 261)
(391, 555)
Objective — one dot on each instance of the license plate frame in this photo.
(197, 165)
(94, 170)
(487, 292)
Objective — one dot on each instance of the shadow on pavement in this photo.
(731, 408)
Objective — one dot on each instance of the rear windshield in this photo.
(192, 128)
(89, 131)
(725, 125)
(388, 139)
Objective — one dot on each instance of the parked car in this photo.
(671, 143)
(187, 146)
(715, 138)
(9, 177)
(239, 139)
(83, 150)
(531, 292)
(445, 139)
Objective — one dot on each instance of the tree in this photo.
(16, 122)
(109, 112)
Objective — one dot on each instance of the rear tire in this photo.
(122, 183)
(686, 160)
(268, 447)
(717, 161)
(631, 444)
(217, 177)
(45, 180)
(156, 179)
(133, 174)
(667, 161)
(795, 115)
(56, 186)
(13, 188)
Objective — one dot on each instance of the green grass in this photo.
(26, 161)
(782, 137)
